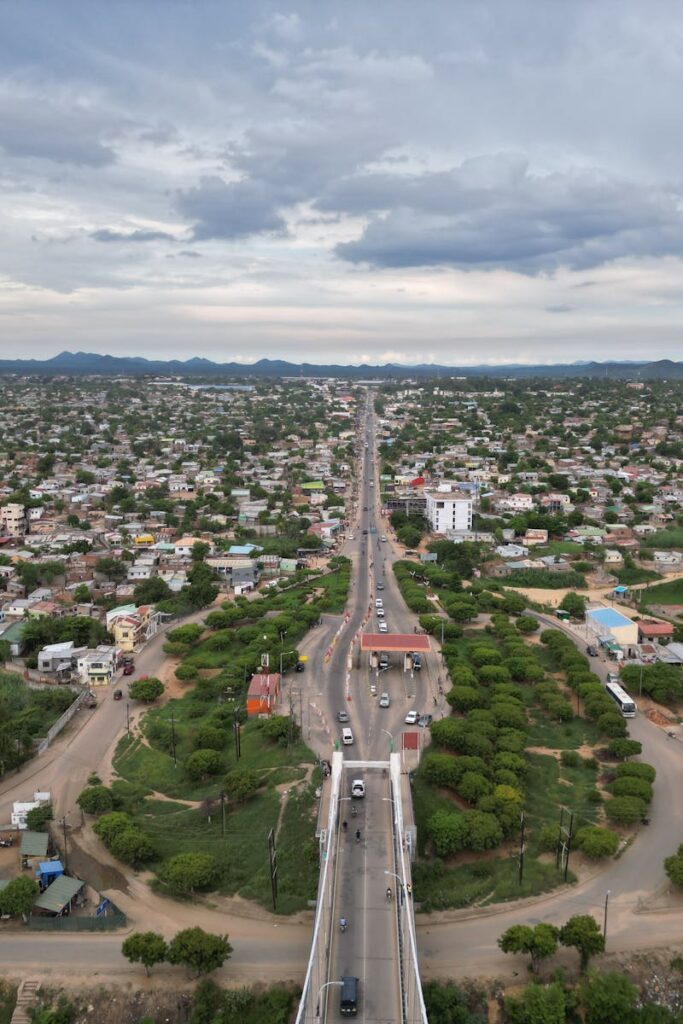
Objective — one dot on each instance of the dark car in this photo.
(365, 533)
(592, 651)
(118, 694)
(128, 669)
(424, 721)
(299, 667)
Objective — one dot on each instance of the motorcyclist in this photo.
(345, 825)
(357, 835)
(388, 892)
(342, 924)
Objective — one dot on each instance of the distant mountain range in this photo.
(84, 363)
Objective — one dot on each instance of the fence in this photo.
(110, 922)
(55, 729)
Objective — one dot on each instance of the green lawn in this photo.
(8, 998)
(629, 577)
(663, 593)
(557, 547)
(546, 732)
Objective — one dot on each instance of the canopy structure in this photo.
(401, 642)
(59, 895)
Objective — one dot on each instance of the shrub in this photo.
(548, 838)
(485, 831)
(95, 800)
(526, 625)
(109, 826)
(674, 867)
(187, 872)
(571, 758)
(637, 770)
(203, 764)
(448, 831)
(131, 846)
(595, 842)
(622, 747)
(210, 737)
(632, 786)
(625, 810)
(473, 786)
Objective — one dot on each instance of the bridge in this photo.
(378, 946)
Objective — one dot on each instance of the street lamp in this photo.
(326, 985)
(391, 740)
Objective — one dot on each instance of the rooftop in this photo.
(609, 617)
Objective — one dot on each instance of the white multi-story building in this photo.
(449, 512)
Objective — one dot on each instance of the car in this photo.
(365, 508)
(299, 667)
(382, 627)
(342, 716)
(592, 651)
(365, 533)
(347, 737)
(408, 552)
(424, 721)
(383, 539)
(384, 700)
(416, 660)
(118, 694)
(379, 612)
(384, 660)
(358, 789)
(380, 586)
(378, 602)
(348, 998)
(373, 689)
(412, 718)
(128, 669)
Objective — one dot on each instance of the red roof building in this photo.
(648, 630)
(263, 693)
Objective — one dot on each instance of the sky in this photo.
(347, 181)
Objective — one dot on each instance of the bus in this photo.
(626, 705)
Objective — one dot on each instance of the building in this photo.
(263, 693)
(654, 631)
(447, 513)
(605, 622)
(13, 519)
(97, 668)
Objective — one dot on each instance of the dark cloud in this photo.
(494, 212)
(139, 235)
(34, 127)
(230, 210)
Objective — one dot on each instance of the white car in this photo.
(373, 689)
(358, 789)
(412, 718)
(379, 612)
(384, 700)
(379, 603)
(383, 628)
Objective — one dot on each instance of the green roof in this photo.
(14, 632)
(57, 895)
(34, 844)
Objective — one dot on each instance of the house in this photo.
(13, 519)
(59, 658)
(512, 551)
(183, 547)
(97, 668)
(14, 635)
(613, 557)
(263, 693)
(654, 631)
(667, 561)
(532, 537)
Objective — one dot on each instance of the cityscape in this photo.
(341, 513)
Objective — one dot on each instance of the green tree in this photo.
(447, 1004)
(674, 867)
(241, 783)
(525, 624)
(538, 1004)
(5, 651)
(582, 932)
(575, 604)
(38, 817)
(203, 763)
(199, 950)
(608, 997)
(132, 847)
(449, 832)
(81, 594)
(187, 872)
(538, 942)
(485, 832)
(147, 690)
(18, 896)
(210, 737)
(622, 747)
(109, 826)
(112, 568)
(146, 948)
(625, 810)
(95, 800)
(200, 550)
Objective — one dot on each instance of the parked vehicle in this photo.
(412, 718)
(118, 694)
(424, 721)
(128, 669)
(592, 651)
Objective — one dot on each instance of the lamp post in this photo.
(322, 987)
(391, 740)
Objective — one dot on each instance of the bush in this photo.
(473, 786)
(146, 690)
(674, 867)
(548, 838)
(131, 846)
(631, 786)
(571, 759)
(187, 872)
(637, 770)
(448, 831)
(525, 624)
(622, 747)
(595, 842)
(210, 737)
(203, 764)
(240, 784)
(95, 800)
(109, 826)
(625, 810)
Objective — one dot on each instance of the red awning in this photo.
(406, 642)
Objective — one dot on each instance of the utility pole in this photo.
(223, 812)
(173, 746)
(128, 718)
(604, 923)
(569, 844)
(521, 847)
(66, 852)
(236, 730)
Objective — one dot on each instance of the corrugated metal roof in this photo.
(34, 844)
(57, 895)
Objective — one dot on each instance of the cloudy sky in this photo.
(454, 182)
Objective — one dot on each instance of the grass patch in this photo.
(558, 547)
(664, 593)
(631, 576)
(482, 882)
(670, 538)
(545, 732)
(8, 1000)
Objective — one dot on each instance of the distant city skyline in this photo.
(454, 183)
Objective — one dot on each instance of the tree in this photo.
(526, 624)
(82, 594)
(147, 690)
(112, 568)
(241, 783)
(151, 591)
(210, 737)
(538, 942)
(132, 847)
(447, 1004)
(575, 604)
(582, 932)
(199, 551)
(625, 810)
(595, 842)
(473, 786)
(608, 997)
(189, 871)
(538, 1004)
(146, 948)
(95, 800)
(18, 896)
(621, 748)
(5, 651)
(38, 817)
(449, 832)
(199, 950)
(674, 867)
(109, 826)
(485, 832)
(203, 763)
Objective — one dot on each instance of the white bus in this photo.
(626, 704)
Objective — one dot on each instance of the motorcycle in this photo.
(342, 924)
(7, 842)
